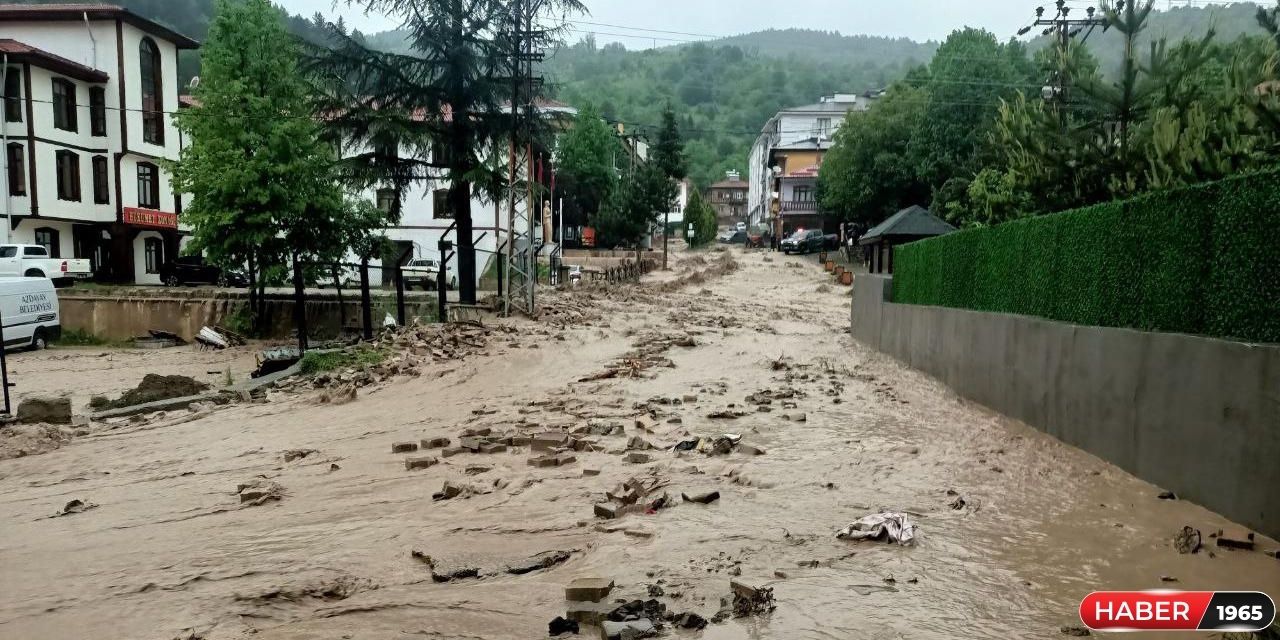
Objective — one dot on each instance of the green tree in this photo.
(262, 182)
(702, 216)
(632, 211)
(585, 165)
(668, 156)
(428, 115)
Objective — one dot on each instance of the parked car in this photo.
(831, 241)
(741, 226)
(193, 270)
(575, 273)
(423, 272)
(803, 241)
(33, 261)
(30, 310)
(732, 237)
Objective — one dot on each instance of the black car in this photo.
(193, 270)
(732, 237)
(803, 242)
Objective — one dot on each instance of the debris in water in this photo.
(588, 589)
(297, 454)
(210, 339)
(75, 506)
(1074, 630)
(1187, 540)
(889, 525)
(544, 560)
(157, 387)
(701, 498)
(749, 600)
(1167, 495)
(259, 492)
(1236, 543)
(561, 626)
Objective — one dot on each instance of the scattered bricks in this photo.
(588, 589)
(483, 431)
(544, 461)
(800, 417)
(435, 443)
(520, 440)
(1236, 543)
(413, 464)
(742, 590)
(493, 447)
(585, 444)
(450, 491)
(471, 443)
(636, 443)
(635, 457)
(565, 458)
(638, 533)
(404, 447)
(690, 398)
(452, 451)
(643, 423)
(701, 498)
(750, 450)
(249, 495)
(477, 469)
(590, 472)
(594, 613)
(549, 440)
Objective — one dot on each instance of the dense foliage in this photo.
(262, 181)
(702, 216)
(1199, 260)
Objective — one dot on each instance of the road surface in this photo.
(170, 551)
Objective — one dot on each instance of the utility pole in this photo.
(522, 247)
(1065, 28)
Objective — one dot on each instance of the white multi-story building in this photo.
(784, 161)
(88, 95)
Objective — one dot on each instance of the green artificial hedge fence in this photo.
(1201, 260)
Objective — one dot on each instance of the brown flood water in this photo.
(169, 552)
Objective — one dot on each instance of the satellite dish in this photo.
(195, 82)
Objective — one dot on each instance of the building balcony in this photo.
(799, 206)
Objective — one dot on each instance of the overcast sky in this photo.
(915, 19)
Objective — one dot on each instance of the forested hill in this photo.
(831, 46)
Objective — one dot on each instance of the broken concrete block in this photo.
(585, 444)
(482, 431)
(549, 440)
(520, 440)
(588, 589)
(543, 461)
(435, 443)
(565, 458)
(471, 443)
(636, 443)
(690, 398)
(593, 613)
(590, 472)
(638, 533)
(449, 491)
(644, 423)
(45, 409)
(635, 457)
(493, 447)
(452, 451)
(413, 464)
(750, 450)
(404, 447)
(641, 628)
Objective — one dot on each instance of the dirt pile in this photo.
(18, 441)
(152, 388)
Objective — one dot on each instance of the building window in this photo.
(152, 92)
(440, 155)
(48, 238)
(386, 200)
(153, 252)
(101, 193)
(440, 205)
(823, 128)
(98, 111)
(68, 166)
(802, 194)
(17, 170)
(739, 196)
(13, 95)
(148, 186)
(64, 104)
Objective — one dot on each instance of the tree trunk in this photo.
(253, 296)
(460, 202)
(342, 308)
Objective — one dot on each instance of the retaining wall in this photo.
(1197, 416)
(120, 317)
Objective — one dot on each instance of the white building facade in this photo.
(805, 133)
(88, 95)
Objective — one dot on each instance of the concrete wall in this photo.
(120, 317)
(1197, 416)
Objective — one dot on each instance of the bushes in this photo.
(1202, 260)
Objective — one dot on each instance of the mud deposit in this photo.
(293, 519)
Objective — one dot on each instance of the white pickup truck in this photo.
(33, 261)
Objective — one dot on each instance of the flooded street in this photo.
(170, 551)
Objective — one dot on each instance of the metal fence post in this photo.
(366, 306)
(400, 295)
(442, 281)
(299, 305)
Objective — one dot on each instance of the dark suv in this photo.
(193, 270)
(803, 241)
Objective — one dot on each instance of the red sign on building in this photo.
(150, 218)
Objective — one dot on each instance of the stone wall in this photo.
(1197, 416)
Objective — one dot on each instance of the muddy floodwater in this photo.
(172, 551)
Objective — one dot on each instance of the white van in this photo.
(29, 310)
